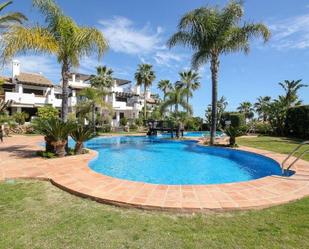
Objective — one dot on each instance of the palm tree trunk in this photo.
(214, 78)
(187, 102)
(145, 103)
(93, 118)
(65, 91)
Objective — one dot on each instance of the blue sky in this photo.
(137, 31)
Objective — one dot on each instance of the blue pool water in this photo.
(160, 161)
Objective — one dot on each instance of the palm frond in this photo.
(20, 39)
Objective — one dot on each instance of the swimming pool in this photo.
(161, 161)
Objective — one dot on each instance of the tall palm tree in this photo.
(10, 18)
(211, 32)
(92, 98)
(262, 107)
(291, 88)
(61, 36)
(189, 80)
(165, 86)
(145, 76)
(247, 109)
(103, 79)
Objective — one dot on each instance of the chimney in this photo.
(15, 68)
(73, 77)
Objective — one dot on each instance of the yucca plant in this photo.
(233, 132)
(81, 134)
(55, 133)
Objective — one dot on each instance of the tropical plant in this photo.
(176, 98)
(10, 18)
(55, 132)
(145, 76)
(81, 134)
(262, 107)
(61, 36)
(189, 80)
(221, 107)
(92, 98)
(47, 112)
(20, 117)
(247, 109)
(103, 79)
(291, 88)
(277, 115)
(165, 86)
(4, 105)
(233, 133)
(211, 32)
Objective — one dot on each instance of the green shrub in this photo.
(105, 128)
(47, 112)
(123, 121)
(20, 117)
(263, 128)
(133, 126)
(297, 122)
(46, 154)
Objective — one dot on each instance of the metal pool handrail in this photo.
(293, 153)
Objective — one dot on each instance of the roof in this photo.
(121, 82)
(81, 76)
(85, 77)
(6, 80)
(33, 79)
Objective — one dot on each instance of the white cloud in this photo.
(165, 57)
(291, 33)
(124, 37)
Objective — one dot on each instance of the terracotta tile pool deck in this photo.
(18, 161)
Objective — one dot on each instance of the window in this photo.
(121, 99)
(35, 91)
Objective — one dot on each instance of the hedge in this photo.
(297, 122)
(237, 119)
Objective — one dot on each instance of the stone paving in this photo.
(72, 174)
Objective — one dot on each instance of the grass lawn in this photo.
(277, 144)
(36, 214)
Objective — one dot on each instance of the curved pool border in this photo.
(73, 175)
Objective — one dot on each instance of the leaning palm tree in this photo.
(291, 88)
(211, 32)
(92, 98)
(189, 80)
(103, 79)
(165, 86)
(61, 36)
(10, 18)
(145, 76)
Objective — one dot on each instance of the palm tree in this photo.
(247, 109)
(80, 135)
(291, 88)
(165, 86)
(92, 98)
(211, 32)
(103, 79)
(189, 80)
(176, 98)
(145, 76)
(10, 18)
(61, 36)
(262, 107)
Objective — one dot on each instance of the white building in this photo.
(28, 91)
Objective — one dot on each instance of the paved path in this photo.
(18, 160)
